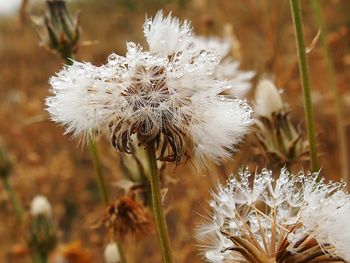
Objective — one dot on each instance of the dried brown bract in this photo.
(282, 143)
(127, 218)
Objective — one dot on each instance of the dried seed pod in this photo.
(73, 252)
(127, 218)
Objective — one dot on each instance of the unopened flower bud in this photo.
(267, 98)
(42, 233)
(58, 31)
(282, 142)
(111, 253)
(40, 206)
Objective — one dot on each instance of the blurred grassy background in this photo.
(46, 162)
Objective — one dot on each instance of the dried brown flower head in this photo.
(73, 252)
(127, 218)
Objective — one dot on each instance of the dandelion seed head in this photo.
(171, 97)
(279, 213)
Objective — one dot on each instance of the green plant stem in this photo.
(40, 258)
(98, 169)
(304, 76)
(163, 235)
(121, 252)
(338, 105)
(14, 201)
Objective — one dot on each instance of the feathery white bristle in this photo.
(167, 35)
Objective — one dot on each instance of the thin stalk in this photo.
(338, 105)
(163, 235)
(13, 199)
(304, 77)
(98, 169)
(121, 252)
(97, 165)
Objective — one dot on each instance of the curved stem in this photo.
(14, 201)
(163, 235)
(304, 76)
(98, 169)
(338, 105)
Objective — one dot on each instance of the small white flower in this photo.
(173, 98)
(267, 98)
(281, 220)
(111, 253)
(40, 206)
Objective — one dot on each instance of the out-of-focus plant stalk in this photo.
(160, 220)
(5, 172)
(304, 76)
(98, 169)
(13, 199)
(338, 105)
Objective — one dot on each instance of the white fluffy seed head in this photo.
(267, 98)
(304, 205)
(111, 253)
(176, 99)
(40, 206)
